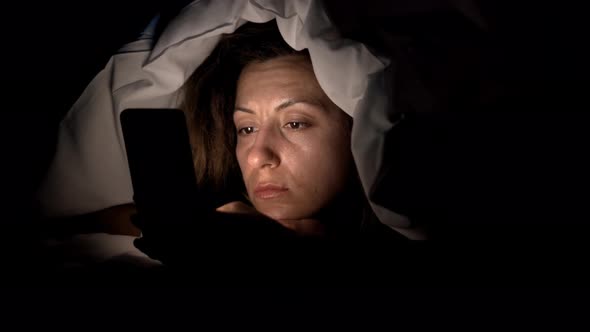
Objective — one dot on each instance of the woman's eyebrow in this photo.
(285, 104)
(291, 102)
(243, 109)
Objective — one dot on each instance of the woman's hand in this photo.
(113, 220)
(232, 231)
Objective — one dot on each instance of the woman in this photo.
(288, 139)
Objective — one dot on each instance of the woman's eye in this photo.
(246, 130)
(296, 125)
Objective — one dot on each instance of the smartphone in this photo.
(160, 162)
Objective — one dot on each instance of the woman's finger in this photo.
(236, 207)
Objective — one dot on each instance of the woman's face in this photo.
(293, 143)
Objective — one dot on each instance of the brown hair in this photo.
(209, 97)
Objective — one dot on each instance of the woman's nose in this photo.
(263, 152)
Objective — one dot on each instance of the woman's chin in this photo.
(278, 214)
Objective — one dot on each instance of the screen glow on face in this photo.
(293, 142)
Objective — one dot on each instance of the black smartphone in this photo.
(160, 161)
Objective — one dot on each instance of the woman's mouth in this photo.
(269, 191)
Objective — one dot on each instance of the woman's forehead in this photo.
(281, 78)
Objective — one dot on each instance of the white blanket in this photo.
(90, 249)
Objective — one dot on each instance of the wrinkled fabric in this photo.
(90, 171)
(86, 249)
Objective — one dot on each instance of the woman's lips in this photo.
(269, 191)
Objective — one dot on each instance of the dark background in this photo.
(496, 136)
